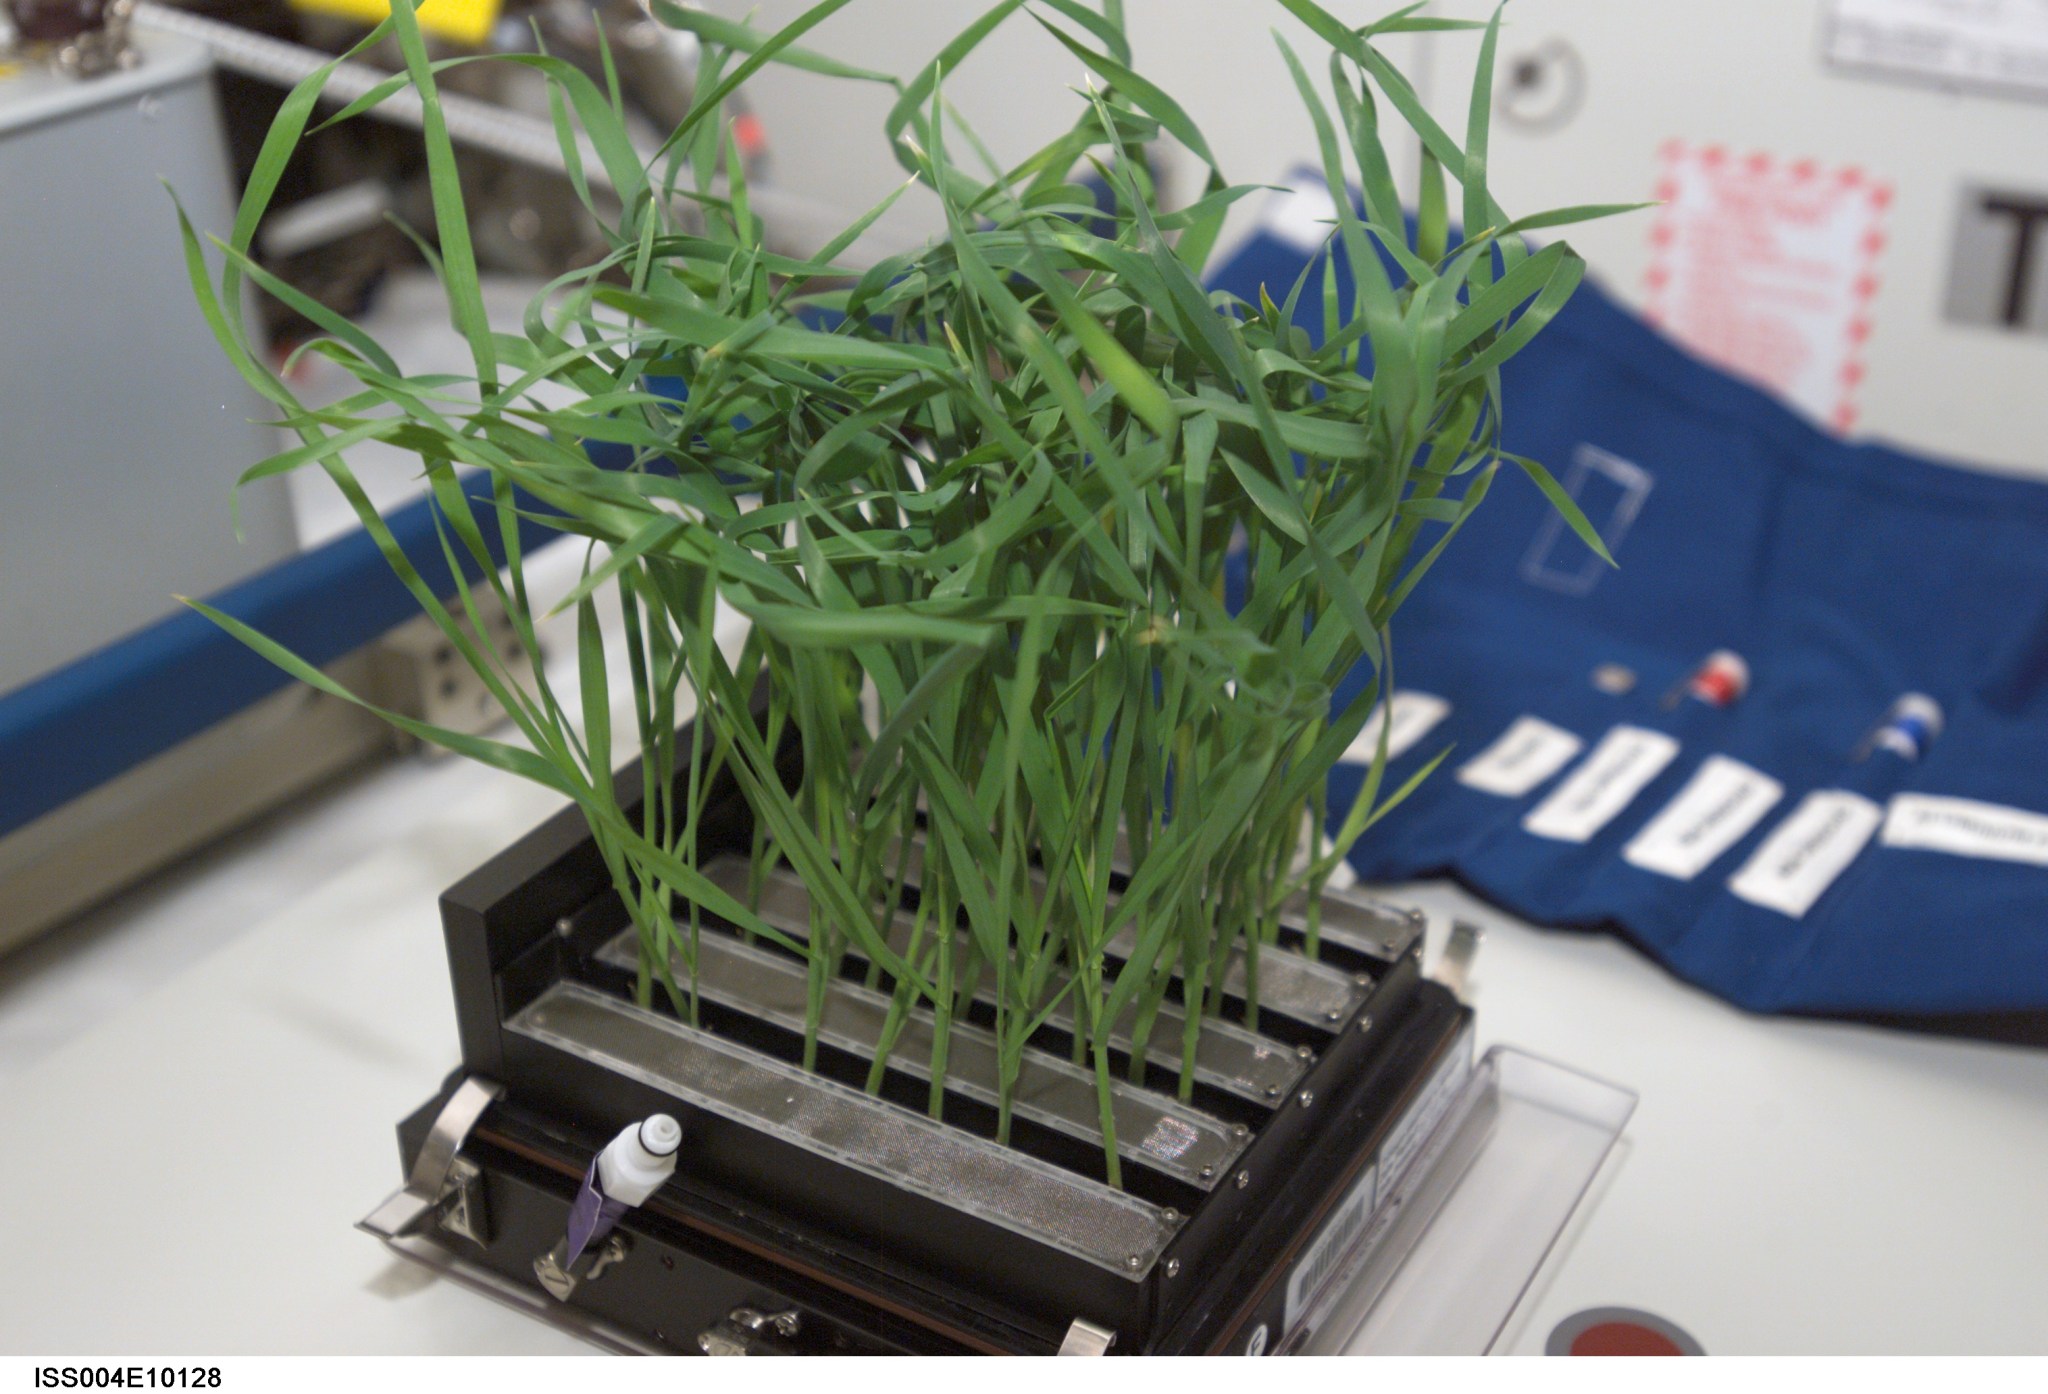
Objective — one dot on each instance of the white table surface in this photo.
(183, 1175)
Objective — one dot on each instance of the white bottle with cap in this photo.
(1907, 729)
(635, 1163)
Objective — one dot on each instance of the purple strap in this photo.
(591, 1216)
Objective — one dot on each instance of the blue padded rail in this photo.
(71, 731)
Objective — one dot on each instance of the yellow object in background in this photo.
(463, 21)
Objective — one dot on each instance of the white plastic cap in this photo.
(1918, 706)
(1898, 734)
(660, 1135)
(1731, 663)
(635, 1163)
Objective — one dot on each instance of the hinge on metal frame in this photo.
(1084, 1337)
(442, 1184)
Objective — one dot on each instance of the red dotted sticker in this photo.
(1768, 268)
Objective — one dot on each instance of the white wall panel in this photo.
(1749, 75)
(1217, 58)
(1745, 74)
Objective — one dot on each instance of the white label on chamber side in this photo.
(1530, 751)
(1723, 800)
(1431, 1103)
(1967, 828)
(1408, 718)
(1804, 855)
(1352, 1232)
(1606, 782)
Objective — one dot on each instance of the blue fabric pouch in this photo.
(1843, 575)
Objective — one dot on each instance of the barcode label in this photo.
(1331, 1247)
(1715, 810)
(1805, 853)
(1966, 828)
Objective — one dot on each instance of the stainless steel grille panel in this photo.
(1108, 1228)
(1295, 987)
(1357, 923)
(1227, 1056)
(1152, 1129)
(1290, 985)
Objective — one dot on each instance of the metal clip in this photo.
(434, 1177)
(463, 1210)
(560, 1282)
(745, 1331)
(1454, 966)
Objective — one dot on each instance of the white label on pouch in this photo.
(1804, 854)
(1341, 877)
(1303, 215)
(1408, 718)
(1527, 753)
(1967, 828)
(1721, 802)
(1627, 758)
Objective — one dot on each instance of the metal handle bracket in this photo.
(409, 1208)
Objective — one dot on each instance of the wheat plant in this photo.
(977, 500)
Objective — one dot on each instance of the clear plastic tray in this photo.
(1486, 1202)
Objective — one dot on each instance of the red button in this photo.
(1619, 1331)
(1623, 1338)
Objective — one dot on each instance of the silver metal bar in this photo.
(1227, 1056)
(1454, 965)
(1290, 985)
(1357, 923)
(1152, 1129)
(1298, 988)
(1111, 1229)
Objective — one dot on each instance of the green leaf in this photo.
(1566, 506)
(451, 218)
(509, 758)
(741, 38)
(1150, 98)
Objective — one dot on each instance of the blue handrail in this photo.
(73, 730)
